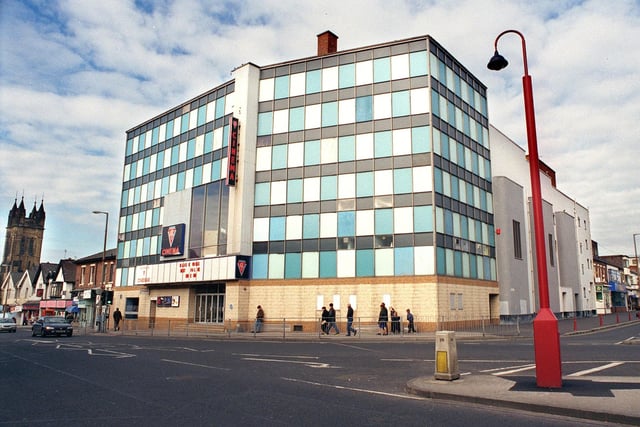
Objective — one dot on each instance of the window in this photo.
(209, 212)
(517, 240)
(381, 70)
(551, 256)
(131, 308)
(364, 109)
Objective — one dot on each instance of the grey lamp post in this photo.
(104, 253)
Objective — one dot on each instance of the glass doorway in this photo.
(210, 305)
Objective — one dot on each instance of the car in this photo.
(7, 325)
(51, 325)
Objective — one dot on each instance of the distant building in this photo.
(23, 238)
(90, 282)
(622, 282)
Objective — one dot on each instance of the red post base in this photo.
(546, 342)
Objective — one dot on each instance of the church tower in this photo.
(23, 240)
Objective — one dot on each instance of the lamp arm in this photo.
(524, 47)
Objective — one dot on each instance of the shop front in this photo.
(30, 310)
(603, 299)
(54, 307)
(86, 302)
(618, 297)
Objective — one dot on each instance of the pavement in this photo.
(607, 399)
(596, 398)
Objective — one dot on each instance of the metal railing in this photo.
(291, 328)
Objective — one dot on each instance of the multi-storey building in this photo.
(359, 176)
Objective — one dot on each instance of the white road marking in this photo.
(507, 367)
(359, 390)
(277, 355)
(513, 371)
(194, 364)
(109, 353)
(309, 364)
(597, 369)
(626, 341)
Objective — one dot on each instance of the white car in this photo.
(7, 325)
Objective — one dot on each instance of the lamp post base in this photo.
(546, 342)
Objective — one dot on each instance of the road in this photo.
(115, 380)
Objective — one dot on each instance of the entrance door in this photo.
(152, 314)
(209, 308)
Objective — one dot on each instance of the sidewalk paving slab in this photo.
(608, 399)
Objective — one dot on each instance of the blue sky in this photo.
(75, 75)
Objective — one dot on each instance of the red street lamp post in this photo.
(546, 339)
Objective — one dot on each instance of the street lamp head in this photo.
(99, 212)
(497, 62)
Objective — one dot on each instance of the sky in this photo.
(76, 75)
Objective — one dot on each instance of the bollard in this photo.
(446, 356)
(601, 319)
(575, 324)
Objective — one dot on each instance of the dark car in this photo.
(7, 325)
(51, 325)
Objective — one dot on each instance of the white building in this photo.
(567, 242)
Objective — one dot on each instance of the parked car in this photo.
(7, 325)
(51, 325)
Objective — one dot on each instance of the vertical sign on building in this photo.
(232, 154)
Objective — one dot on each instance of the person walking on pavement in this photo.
(383, 318)
(324, 322)
(411, 327)
(117, 317)
(259, 320)
(332, 320)
(350, 321)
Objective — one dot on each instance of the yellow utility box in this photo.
(446, 356)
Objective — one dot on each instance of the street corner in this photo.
(464, 388)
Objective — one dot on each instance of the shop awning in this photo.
(31, 306)
(55, 303)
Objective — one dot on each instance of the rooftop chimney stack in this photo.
(327, 43)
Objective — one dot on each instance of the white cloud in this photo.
(77, 74)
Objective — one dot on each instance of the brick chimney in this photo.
(327, 43)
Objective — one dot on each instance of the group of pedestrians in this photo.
(328, 321)
(383, 321)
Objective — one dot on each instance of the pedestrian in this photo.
(332, 320)
(350, 321)
(259, 320)
(411, 327)
(395, 321)
(324, 321)
(383, 318)
(117, 317)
